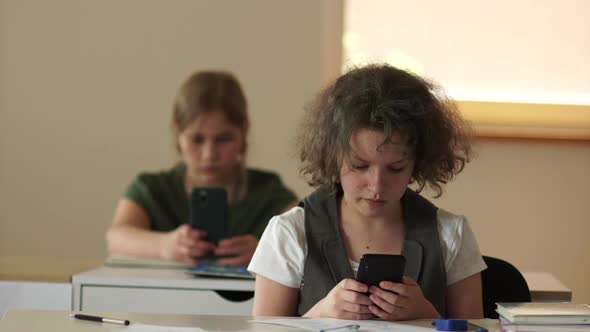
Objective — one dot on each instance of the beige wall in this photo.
(86, 89)
(529, 203)
(85, 95)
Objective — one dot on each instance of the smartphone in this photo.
(208, 212)
(374, 268)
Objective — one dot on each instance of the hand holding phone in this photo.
(208, 212)
(237, 250)
(184, 244)
(374, 268)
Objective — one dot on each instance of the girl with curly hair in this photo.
(364, 141)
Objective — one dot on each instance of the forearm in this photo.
(134, 241)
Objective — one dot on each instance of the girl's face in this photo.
(378, 174)
(211, 147)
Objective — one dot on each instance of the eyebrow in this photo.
(393, 162)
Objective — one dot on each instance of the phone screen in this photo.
(374, 268)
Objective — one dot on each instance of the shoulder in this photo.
(262, 182)
(459, 246)
(290, 224)
(256, 175)
(159, 178)
(450, 225)
(452, 229)
(151, 185)
(280, 254)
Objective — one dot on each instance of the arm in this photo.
(346, 300)
(242, 246)
(130, 234)
(274, 299)
(464, 298)
(403, 301)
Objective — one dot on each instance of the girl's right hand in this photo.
(347, 300)
(183, 244)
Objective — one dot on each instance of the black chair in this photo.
(501, 282)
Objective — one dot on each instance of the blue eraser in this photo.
(443, 324)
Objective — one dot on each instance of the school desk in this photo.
(156, 290)
(43, 321)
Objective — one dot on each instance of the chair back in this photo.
(501, 282)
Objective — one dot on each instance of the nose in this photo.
(208, 151)
(376, 181)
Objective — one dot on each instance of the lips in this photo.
(374, 203)
(208, 169)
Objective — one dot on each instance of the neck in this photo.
(351, 216)
(194, 179)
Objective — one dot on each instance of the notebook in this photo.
(215, 270)
(544, 312)
(344, 325)
(129, 261)
(511, 327)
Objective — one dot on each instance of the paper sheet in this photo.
(138, 327)
(318, 324)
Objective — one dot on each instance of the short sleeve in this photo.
(280, 254)
(138, 192)
(162, 197)
(459, 246)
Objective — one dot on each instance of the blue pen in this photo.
(443, 324)
(351, 327)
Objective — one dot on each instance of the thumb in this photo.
(409, 281)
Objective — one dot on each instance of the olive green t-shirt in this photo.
(164, 199)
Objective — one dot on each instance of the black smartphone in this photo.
(374, 268)
(208, 212)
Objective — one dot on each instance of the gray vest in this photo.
(327, 264)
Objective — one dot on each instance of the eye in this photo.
(198, 139)
(224, 138)
(397, 169)
(359, 167)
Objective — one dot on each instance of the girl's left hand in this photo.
(241, 248)
(409, 302)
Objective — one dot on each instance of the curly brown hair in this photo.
(383, 97)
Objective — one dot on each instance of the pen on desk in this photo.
(351, 327)
(100, 319)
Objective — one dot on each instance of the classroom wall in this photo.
(85, 98)
(528, 202)
(86, 91)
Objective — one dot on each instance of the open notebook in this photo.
(128, 261)
(210, 269)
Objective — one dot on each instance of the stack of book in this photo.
(544, 317)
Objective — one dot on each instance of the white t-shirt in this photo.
(280, 255)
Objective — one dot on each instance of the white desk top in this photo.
(164, 278)
(43, 321)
